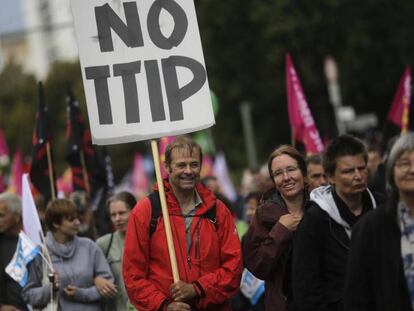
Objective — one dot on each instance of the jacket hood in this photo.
(324, 198)
(207, 196)
(61, 250)
(272, 195)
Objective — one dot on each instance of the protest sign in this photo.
(143, 69)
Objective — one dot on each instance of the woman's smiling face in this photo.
(288, 177)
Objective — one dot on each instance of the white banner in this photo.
(143, 69)
(30, 217)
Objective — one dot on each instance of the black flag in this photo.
(97, 164)
(39, 170)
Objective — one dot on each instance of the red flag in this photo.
(399, 111)
(300, 117)
(140, 182)
(15, 183)
(164, 142)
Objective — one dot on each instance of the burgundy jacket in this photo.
(267, 248)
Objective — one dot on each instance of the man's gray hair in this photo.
(404, 143)
(13, 201)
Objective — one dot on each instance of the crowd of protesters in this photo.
(327, 232)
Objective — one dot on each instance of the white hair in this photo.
(13, 202)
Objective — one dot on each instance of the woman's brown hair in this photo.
(57, 210)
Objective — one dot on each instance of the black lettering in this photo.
(100, 76)
(175, 94)
(106, 19)
(128, 71)
(180, 24)
(154, 90)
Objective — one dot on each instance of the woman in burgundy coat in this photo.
(267, 248)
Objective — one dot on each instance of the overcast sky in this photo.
(11, 17)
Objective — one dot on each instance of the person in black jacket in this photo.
(321, 244)
(10, 225)
(380, 274)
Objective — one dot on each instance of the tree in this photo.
(245, 42)
(17, 107)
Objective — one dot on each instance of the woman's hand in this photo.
(291, 221)
(70, 291)
(105, 287)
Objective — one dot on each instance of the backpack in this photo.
(156, 212)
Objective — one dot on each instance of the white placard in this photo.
(143, 69)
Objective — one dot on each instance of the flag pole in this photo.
(51, 275)
(84, 172)
(51, 176)
(44, 248)
(292, 138)
(165, 215)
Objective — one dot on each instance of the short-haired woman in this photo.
(77, 262)
(380, 272)
(112, 244)
(267, 246)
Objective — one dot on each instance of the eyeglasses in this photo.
(404, 166)
(290, 170)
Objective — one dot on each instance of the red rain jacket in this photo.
(213, 262)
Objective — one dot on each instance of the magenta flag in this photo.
(300, 116)
(15, 183)
(207, 166)
(164, 142)
(139, 179)
(4, 150)
(400, 107)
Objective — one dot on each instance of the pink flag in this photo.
(15, 183)
(223, 177)
(64, 184)
(4, 150)
(207, 166)
(164, 142)
(300, 117)
(139, 180)
(399, 112)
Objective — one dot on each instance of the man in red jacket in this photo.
(205, 240)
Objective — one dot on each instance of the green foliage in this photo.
(17, 107)
(245, 42)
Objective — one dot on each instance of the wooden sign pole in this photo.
(164, 208)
